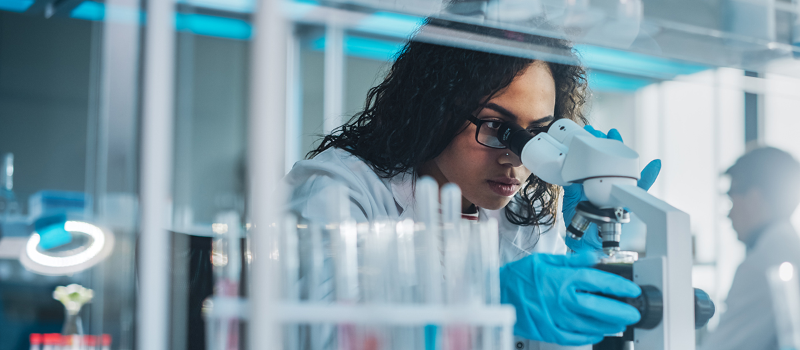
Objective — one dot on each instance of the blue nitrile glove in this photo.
(549, 295)
(573, 194)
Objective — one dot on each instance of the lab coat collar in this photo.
(402, 186)
(776, 226)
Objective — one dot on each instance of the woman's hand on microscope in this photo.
(552, 295)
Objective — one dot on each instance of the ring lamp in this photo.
(99, 246)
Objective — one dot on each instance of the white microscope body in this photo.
(569, 154)
(609, 171)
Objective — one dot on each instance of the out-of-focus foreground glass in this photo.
(68, 98)
(662, 72)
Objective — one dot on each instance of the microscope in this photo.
(671, 308)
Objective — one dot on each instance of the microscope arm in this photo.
(667, 266)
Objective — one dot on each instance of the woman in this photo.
(434, 115)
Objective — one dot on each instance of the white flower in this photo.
(73, 297)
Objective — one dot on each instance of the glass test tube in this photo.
(290, 268)
(427, 196)
(456, 241)
(428, 213)
(406, 282)
(490, 259)
(344, 239)
(223, 333)
(317, 275)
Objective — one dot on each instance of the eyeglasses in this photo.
(486, 133)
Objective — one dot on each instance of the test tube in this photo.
(379, 279)
(474, 269)
(346, 262)
(346, 274)
(344, 239)
(223, 333)
(427, 195)
(315, 285)
(460, 261)
(407, 277)
(89, 342)
(377, 271)
(51, 341)
(405, 283)
(106, 342)
(36, 341)
(785, 290)
(290, 266)
(455, 243)
(490, 247)
(317, 269)
(289, 258)
(428, 213)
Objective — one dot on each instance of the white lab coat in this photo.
(372, 197)
(749, 322)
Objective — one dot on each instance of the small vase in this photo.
(72, 324)
(73, 297)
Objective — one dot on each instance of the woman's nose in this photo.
(509, 158)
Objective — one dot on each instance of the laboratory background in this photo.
(143, 142)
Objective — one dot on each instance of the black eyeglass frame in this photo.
(478, 122)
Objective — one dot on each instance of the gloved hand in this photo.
(549, 295)
(573, 194)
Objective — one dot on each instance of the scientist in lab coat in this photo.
(765, 191)
(436, 114)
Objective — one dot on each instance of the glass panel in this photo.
(669, 76)
(68, 97)
(752, 35)
(212, 64)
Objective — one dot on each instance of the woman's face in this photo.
(490, 177)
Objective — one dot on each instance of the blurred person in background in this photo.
(764, 191)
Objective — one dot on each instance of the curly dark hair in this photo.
(422, 104)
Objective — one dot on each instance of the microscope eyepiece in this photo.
(514, 137)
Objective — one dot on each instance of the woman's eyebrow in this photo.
(502, 111)
(544, 120)
(508, 114)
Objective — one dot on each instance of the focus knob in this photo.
(703, 308)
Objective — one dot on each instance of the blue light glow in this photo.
(601, 81)
(390, 24)
(213, 26)
(299, 9)
(374, 49)
(15, 5)
(227, 5)
(380, 50)
(194, 23)
(634, 63)
(90, 11)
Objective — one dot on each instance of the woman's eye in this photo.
(493, 124)
(538, 130)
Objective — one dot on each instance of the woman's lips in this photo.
(503, 189)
